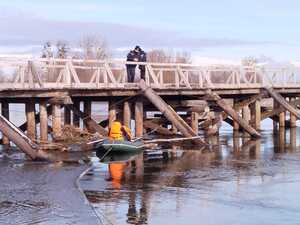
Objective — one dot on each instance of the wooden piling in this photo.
(76, 118)
(138, 115)
(246, 115)
(293, 138)
(112, 113)
(30, 116)
(293, 118)
(168, 112)
(255, 109)
(87, 110)
(56, 121)
(236, 125)
(67, 116)
(243, 122)
(43, 121)
(195, 121)
(5, 113)
(281, 100)
(282, 120)
(126, 114)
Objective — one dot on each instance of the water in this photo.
(236, 181)
(240, 182)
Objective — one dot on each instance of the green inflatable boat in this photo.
(120, 146)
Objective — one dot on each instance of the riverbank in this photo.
(42, 193)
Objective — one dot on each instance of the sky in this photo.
(230, 29)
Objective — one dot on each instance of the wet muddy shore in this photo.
(41, 193)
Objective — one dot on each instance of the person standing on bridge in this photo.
(142, 58)
(136, 55)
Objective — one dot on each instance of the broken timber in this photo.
(158, 129)
(230, 111)
(283, 102)
(92, 124)
(19, 139)
(169, 113)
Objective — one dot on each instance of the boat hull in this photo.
(120, 146)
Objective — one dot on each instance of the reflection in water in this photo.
(240, 181)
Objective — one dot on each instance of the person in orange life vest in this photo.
(119, 132)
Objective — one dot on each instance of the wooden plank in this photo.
(283, 102)
(168, 112)
(230, 111)
(71, 68)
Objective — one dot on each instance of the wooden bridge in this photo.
(203, 96)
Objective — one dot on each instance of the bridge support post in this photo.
(87, 110)
(112, 113)
(126, 114)
(293, 118)
(56, 120)
(67, 116)
(282, 120)
(236, 126)
(5, 113)
(293, 138)
(246, 116)
(43, 121)
(76, 118)
(255, 114)
(195, 121)
(138, 114)
(30, 116)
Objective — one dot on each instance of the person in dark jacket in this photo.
(142, 58)
(132, 56)
(136, 55)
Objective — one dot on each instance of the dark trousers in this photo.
(143, 71)
(130, 73)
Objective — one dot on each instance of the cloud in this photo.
(18, 29)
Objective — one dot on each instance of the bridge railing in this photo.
(73, 73)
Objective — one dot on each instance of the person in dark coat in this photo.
(132, 56)
(142, 58)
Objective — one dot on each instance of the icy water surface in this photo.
(241, 181)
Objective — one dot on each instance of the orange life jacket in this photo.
(115, 131)
(119, 132)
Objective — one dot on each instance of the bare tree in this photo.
(163, 56)
(62, 49)
(94, 47)
(47, 51)
(249, 61)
